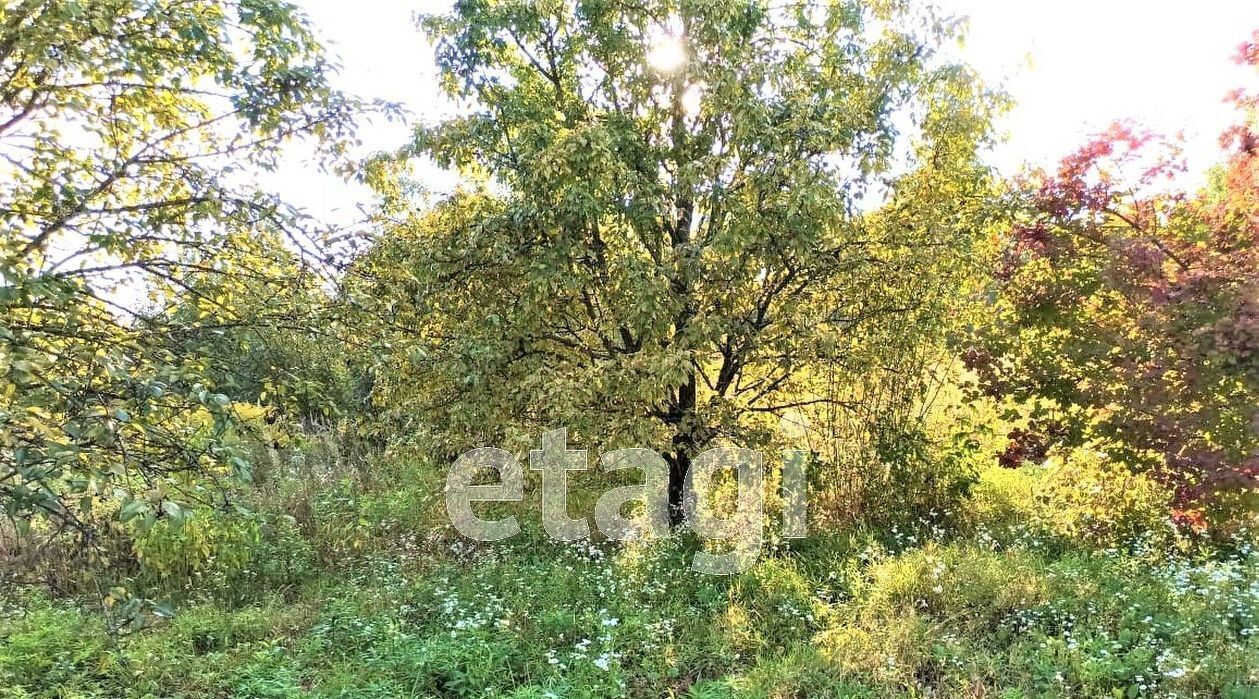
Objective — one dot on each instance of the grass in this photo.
(975, 610)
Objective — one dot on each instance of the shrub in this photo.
(1080, 502)
(177, 555)
(1096, 504)
(898, 476)
(233, 556)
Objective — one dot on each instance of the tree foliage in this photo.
(1134, 307)
(128, 133)
(677, 255)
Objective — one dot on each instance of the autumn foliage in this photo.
(1133, 307)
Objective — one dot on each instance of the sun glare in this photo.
(667, 53)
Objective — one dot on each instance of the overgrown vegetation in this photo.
(1019, 605)
(1030, 406)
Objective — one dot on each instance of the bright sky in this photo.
(1073, 67)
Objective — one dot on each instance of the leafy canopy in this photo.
(676, 253)
(1133, 307)
(128, 131)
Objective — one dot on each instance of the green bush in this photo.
(234, 556)
(1095, 504)
(1080, 502)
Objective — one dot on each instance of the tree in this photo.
(1133, 307)
(128, 129)
(265, 333)
(665, 243)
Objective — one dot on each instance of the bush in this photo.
(1080, 502)
(348, 522)
(233, 556)
(903, 476)
(176, 556)
(1096, 504)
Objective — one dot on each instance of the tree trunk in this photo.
(682, 412)
(679, 464)
(683, 451)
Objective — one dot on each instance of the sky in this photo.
(1072, 67)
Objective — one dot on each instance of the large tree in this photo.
(680, 222)
(1132, 307)
(129, 132)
